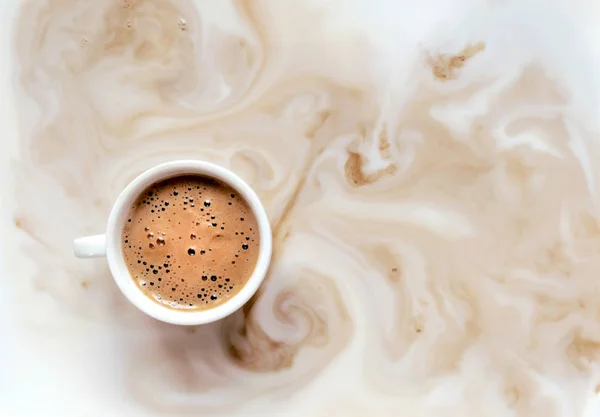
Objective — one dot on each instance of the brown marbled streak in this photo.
(253, 349)
(222, 365)
(356, 176)
(445, 66)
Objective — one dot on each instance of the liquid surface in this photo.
(431, 171)
(190, 242)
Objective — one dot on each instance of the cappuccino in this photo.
(190, 242)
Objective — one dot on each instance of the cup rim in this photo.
(119, 269)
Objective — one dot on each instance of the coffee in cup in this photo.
(187, 242)
(190, 242)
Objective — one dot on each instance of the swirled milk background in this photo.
(430, 170)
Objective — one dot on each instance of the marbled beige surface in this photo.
(429, 168)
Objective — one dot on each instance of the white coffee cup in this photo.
(110, 243)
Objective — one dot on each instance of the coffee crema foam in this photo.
(190, 242)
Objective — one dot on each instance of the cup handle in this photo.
(90, 246)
